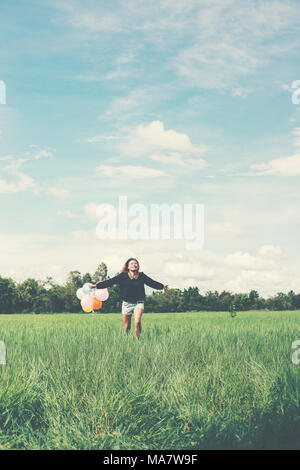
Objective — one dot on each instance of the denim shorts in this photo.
(128, 307)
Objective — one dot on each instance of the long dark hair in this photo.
(125, 267)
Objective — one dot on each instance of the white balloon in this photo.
(80, 294)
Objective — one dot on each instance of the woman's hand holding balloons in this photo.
(90, 297)
(87, 288)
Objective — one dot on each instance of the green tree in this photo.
(253, 296)
(169, 301)
(74, 280)
(86, 278)
(277, 302)
(290, 300)
(191, 299)
(100, 273)
(212, 301)
(7, 295)
(296, 301)
(260, 303)
(30, 296)
(56, 299)
(224, 301)
(242, 301)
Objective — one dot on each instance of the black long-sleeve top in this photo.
(131, 289)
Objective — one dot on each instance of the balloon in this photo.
(101, 294)
(87, 301)
(97, 304)
(87, 310)
(86, 288)
(80, 294)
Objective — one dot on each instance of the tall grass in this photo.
(193, 381)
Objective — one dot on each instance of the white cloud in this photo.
(224, 229)
(42, 153)
(129, 171)
(88, 20)
(20, 181)
(125, 107)
(90, 210)
(39, 256)
(80, 235)
(38, 153)
(217, 64)
(127, 58)
(270, 251)
(117, 74)
(186, 270)
(266, 282)
(179, 160)
(219, 44)
(88, 17)
(246, 261)
(261, 272)
(172, 158)
(242, 92)
(284, 166)
(68, 214)
(148, 138)
(155, 142)
(233, 41)
(8, 157)
(61, 193)
(100, 138)
(296, 132)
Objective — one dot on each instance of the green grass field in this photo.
(193, 381)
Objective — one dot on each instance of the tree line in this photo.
(47, 296)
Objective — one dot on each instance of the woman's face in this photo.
(133, 265)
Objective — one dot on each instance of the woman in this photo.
(132, 283)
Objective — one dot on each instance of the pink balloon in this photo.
(101, 294)
(87, 301)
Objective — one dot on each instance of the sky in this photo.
(173, 102)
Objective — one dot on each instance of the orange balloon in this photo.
(97, 304)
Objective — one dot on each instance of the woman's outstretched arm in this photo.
(151, 283)
(108, 282)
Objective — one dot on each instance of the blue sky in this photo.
(194, 96)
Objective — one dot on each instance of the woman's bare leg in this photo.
(138, 312)
(127, 323)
